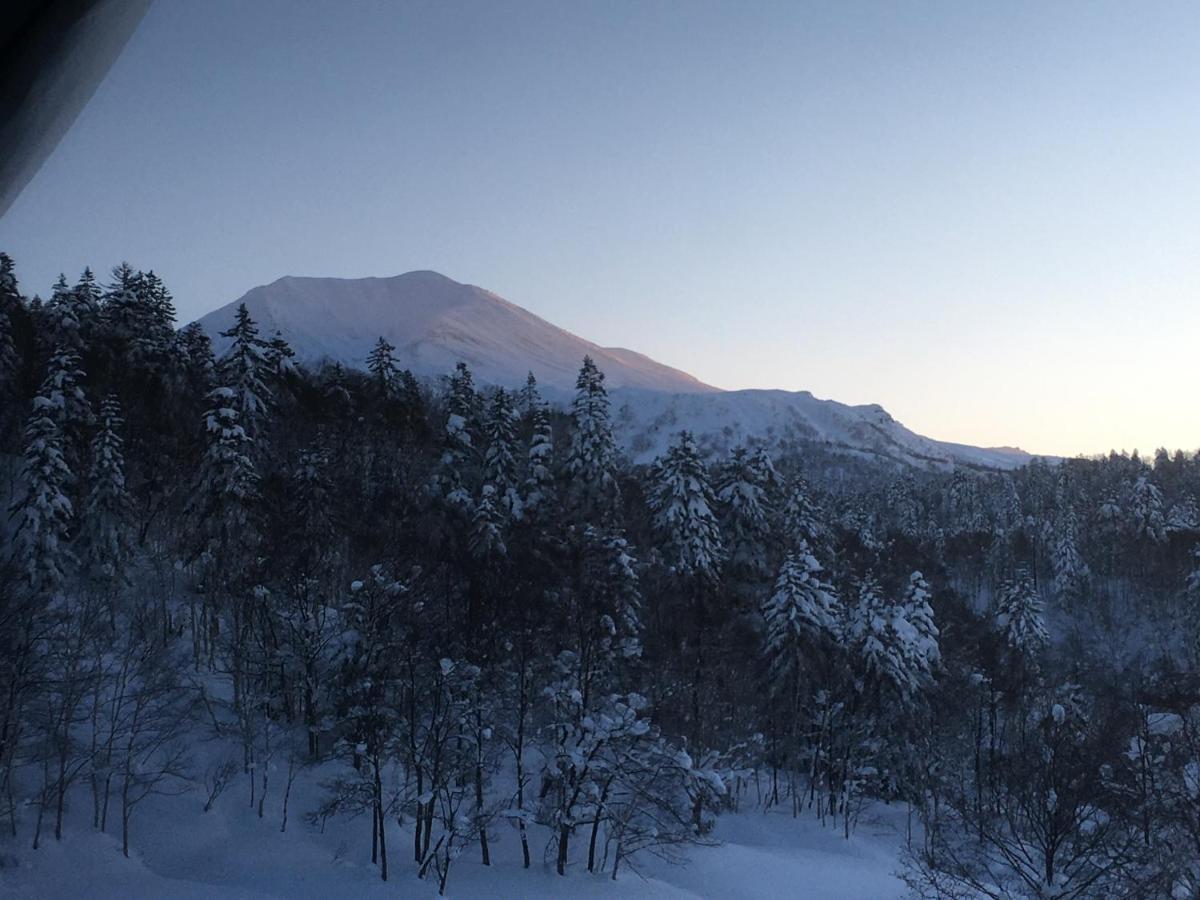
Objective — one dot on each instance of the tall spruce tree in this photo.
(10, 295)
(742, 496)
(879, 645)
(528, 398)
(539, 479)
(243, 372)
(88, 292)
(66, 318)
(41, 547)
(104, 529)
(458, 467)
(683, 504)
(10, 358)
(592, 457)
(63, 389)
(1146, 510)
(487, 526)
(499, 459)
(1070, 571)
(228, 487)
(381, 363)
(920, 631)
(801, 520)
(280, 358)
(194, 358)
(1019, 616)
(802, 615)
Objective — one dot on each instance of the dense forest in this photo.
(475, 613)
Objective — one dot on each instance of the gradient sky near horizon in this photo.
(983, 216)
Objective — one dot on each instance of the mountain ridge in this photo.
(434, 322)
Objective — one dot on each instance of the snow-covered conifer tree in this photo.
(279, 357)
(88, 293)
(1183, 516)
(487, 533)
(105, 524)
(10, 296)
(903, 506)
(1070, 571)
(742, 494)
(529, 399)
(682, 501)
(381, 363)
(858, 519)
(1191, 605)
(921, 634)
(63, 389)
(229, 481)
(499, 461)
(64, 315)
(880, 641)
(243, 372)
(965, 510)
(1147, 511)
(539, 480)
(196, 365)
(1019, 615)
(10, 359)
(801, 519)
(611, 612)
(801, 614)
(1009, 505)
(462, 399)
(459, 461)
(592, 458)
(139, 314)
(156, 317)
(45, 511)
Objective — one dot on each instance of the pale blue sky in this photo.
(984, 216)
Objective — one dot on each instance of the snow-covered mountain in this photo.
(434, 322)
(646, 422)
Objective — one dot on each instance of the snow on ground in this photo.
(182, 852)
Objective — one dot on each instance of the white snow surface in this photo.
(645, 423)
(435, 322)
(182, 852)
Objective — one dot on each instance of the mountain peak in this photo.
(435, 322)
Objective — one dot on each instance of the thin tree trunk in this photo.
(596, 827)
(418, 855)
(126, 812)
(62, 794)
(383, 860)
(522, 709)
(564, 837)
(287, 791)
(483, 837)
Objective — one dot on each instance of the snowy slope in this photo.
(435, 322)
(182, 852)
(647, 421)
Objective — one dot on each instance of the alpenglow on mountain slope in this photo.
(435, 322)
